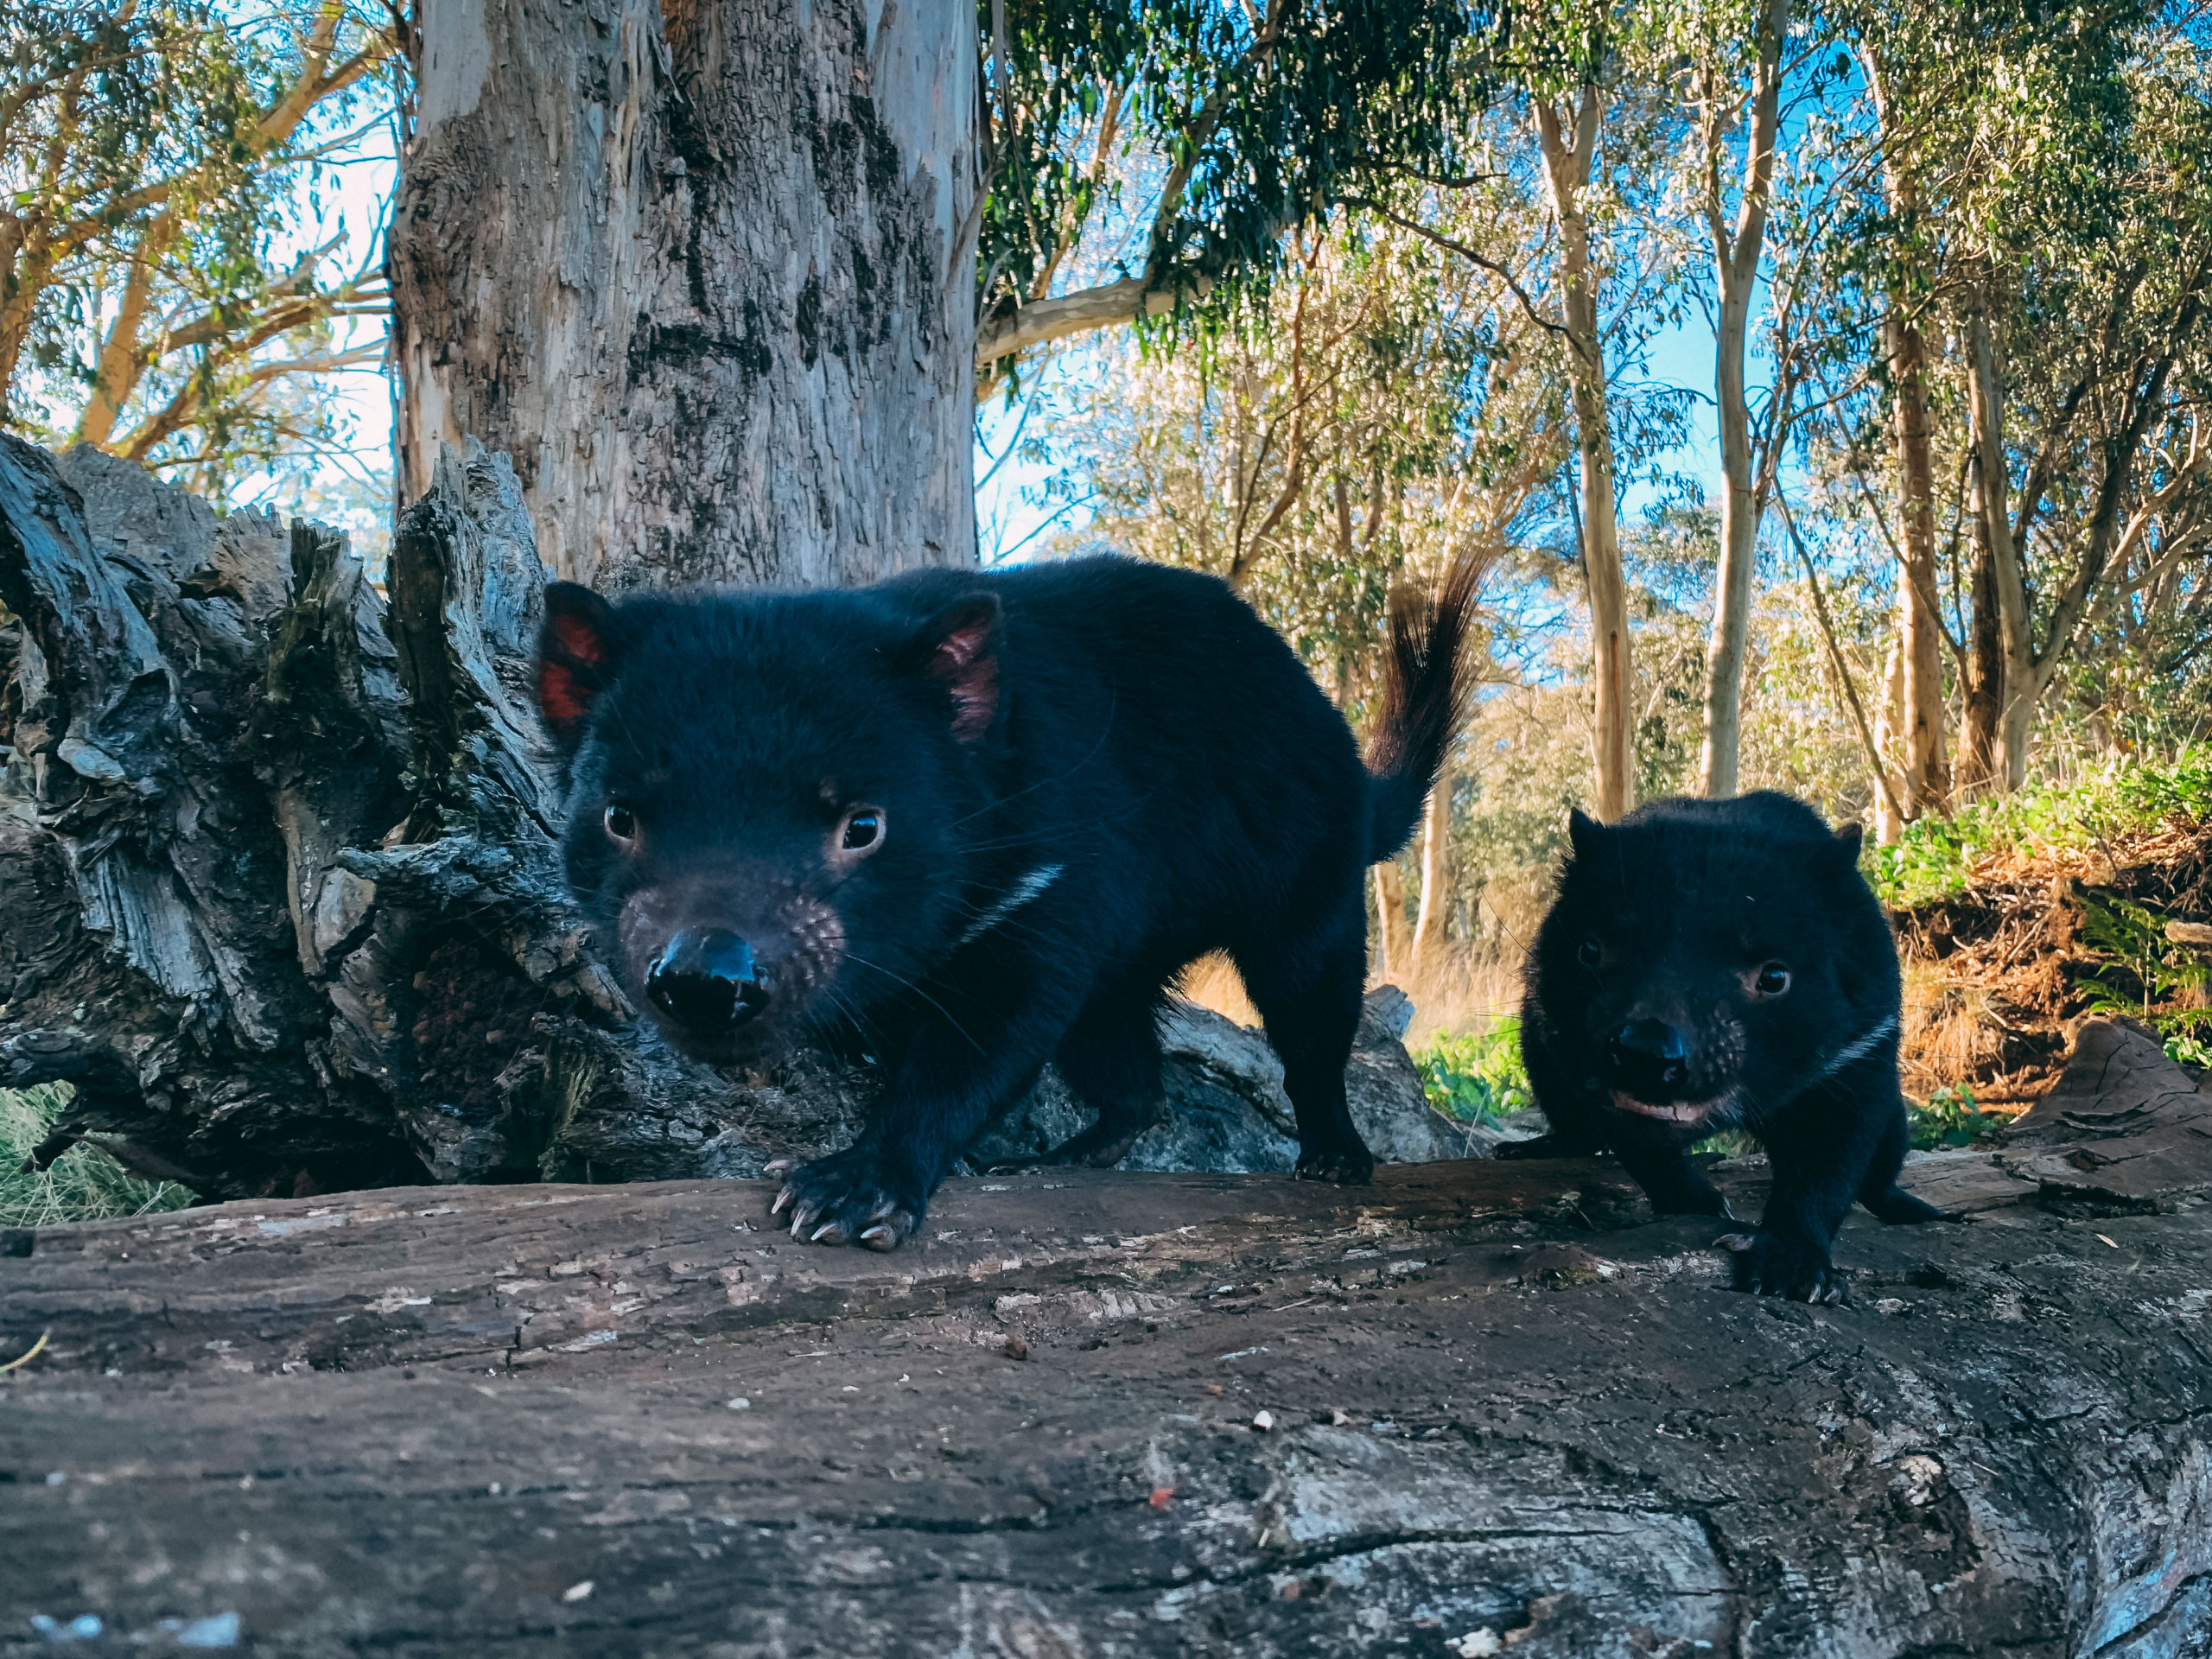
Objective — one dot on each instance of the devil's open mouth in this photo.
(1681, 1113)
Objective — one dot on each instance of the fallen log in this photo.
(280, 895)
(1478, 1408)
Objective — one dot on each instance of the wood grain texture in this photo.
(638, 1420)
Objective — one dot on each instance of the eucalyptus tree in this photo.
(1902, 78)
(149, 154)
(2083, 302)
(1731, 79)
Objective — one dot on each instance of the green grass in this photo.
(1475, 1077)
(1932, 859)
(83, 1183)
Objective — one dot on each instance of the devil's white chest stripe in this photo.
(1859, 1049)
(1028, 888)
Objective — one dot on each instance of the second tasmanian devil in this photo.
(1714, 965)
(986, 819)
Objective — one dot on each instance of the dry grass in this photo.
(1457, 991)
(83, 1183)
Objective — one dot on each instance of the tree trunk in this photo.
(1566, 167)
(1735, 254)
(1476, 1407)
(1926, 774)
(705, 271)
(1920, 627)
(2013, 686)
(1733, 586)
(1889, 823)
(1435, 873)
(1390, 920)
(1980, 770)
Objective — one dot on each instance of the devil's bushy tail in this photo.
(1429, 674)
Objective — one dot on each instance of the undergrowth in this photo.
(1934, 856)
(1475, 1077)
(83, 1183)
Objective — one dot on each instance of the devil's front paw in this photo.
(858, 1196)
(1786, 1264)
(1346, 1161)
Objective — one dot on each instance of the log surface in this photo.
(1502, 1398)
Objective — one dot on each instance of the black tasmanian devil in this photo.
(1714, 965)
(985, 819)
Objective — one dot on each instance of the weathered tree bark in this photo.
(1497, 1397)
(1567, 161)
(279, 891)
(1736, 253)
(706, 271)
(1920, 626)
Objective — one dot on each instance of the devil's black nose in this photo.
(1648, 1059)
(704, 979)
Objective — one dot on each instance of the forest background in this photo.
(1825, 386)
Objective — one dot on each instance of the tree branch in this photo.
(1842, 670)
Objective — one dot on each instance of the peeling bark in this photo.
(1499, 1397)
(705, 270)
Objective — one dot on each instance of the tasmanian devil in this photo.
(984, 820)
(1714, 965)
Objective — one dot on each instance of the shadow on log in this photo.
(1478, 1407)
(279, 891)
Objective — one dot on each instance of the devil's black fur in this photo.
(986, 819)
(1714, 965)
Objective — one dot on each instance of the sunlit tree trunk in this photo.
(1567, 159)
(1889, 823)
(1390, 907)
(1736, 253)
(705, 271)
(1435, 873)
(1926, 769)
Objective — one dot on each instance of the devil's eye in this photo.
(1771, 980)
(621, 822)
(863, 828)
(1590, 953)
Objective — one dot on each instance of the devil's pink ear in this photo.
(958, 649)
(576, 654)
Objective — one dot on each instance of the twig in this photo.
(36, 1349)
(1835, 655)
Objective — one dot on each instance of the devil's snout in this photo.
(1649, 1059)
(706, 979)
